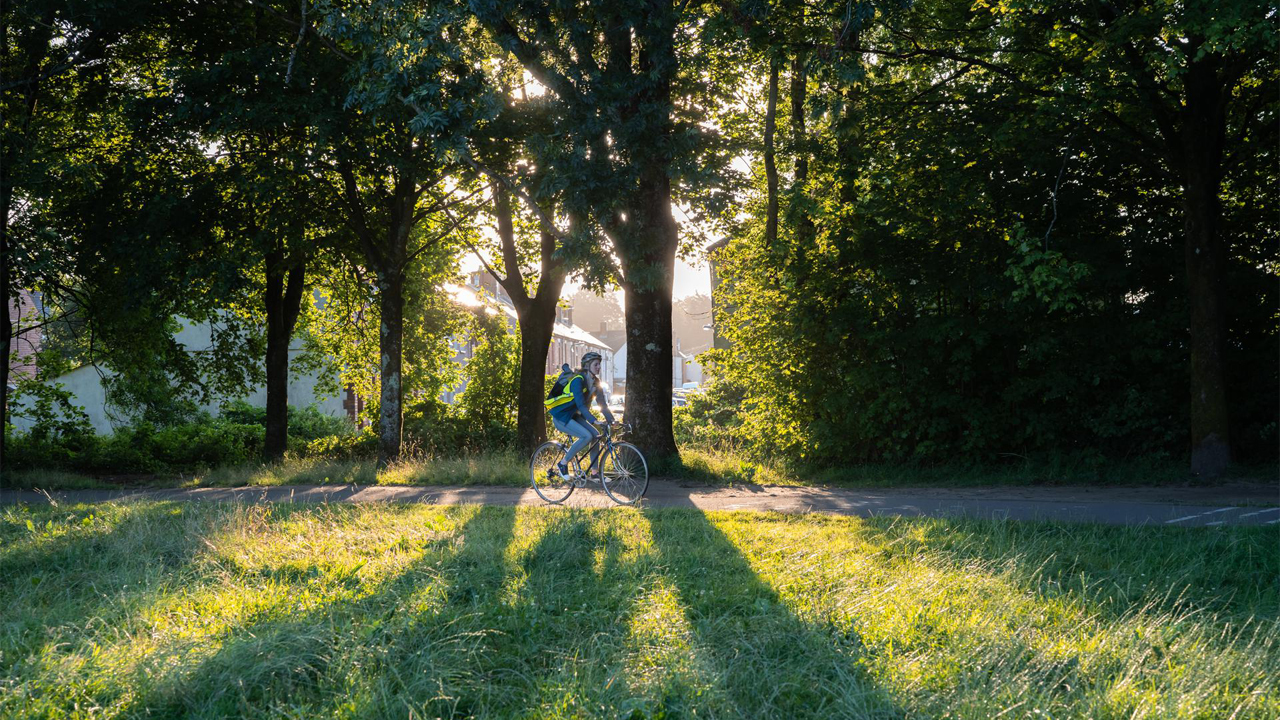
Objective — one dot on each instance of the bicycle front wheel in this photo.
(625, 474)
(543, 476)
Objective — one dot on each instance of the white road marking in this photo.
(1192, 517)
(1219, 522)
(1272, 522)
(1261, 512)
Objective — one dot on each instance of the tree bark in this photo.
(536, 317)
(649, 253)
(1203, 133)
(770, 165)
(536, 325)
(283, 301)
(799, 136)
(390, 366)
(648, 316)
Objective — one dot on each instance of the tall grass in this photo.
(505, 468)
(219, 611)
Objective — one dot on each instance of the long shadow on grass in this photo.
(537, 631)
(78, 572)
(769, 662)
(1112, 571)
(347, 657)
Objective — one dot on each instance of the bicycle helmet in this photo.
(589, 358)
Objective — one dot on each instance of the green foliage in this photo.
(305, 424)
(141, 448)
(232, 438)
(488, 402)
(49, 408)
(982, 265)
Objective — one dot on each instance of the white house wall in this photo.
(88, 393)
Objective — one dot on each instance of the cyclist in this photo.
(570, 405)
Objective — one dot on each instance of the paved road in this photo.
(1183, 507)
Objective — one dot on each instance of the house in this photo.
(568, 341)
(88, 391)
(24, 344)
(684, 367)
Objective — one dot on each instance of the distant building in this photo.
(684, 367)
(24, 345)
(568, 341)
(88, 392)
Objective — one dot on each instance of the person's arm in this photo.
(604, 403)
(580, 396)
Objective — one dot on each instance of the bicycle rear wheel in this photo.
(543, 476)
(625, 474)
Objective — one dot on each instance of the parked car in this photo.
(617, 405)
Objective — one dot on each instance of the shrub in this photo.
(305, 424)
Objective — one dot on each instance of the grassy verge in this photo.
(491, 469)
(220, 611)
(728, 467)
(699, 465)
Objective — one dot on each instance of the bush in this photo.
(141, 448)
(305, 424)
(349, 446)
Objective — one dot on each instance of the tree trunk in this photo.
(649, 253)
(799, 137)
(283, 303)
(391, 361)
(805, 230)
(536, 325)
(536, 316)
(648, 316)
(1203, 132)
(770, 166)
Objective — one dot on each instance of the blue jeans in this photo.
(578, 427)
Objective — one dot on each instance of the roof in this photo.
(468, 297)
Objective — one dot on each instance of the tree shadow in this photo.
(768, 662)
(1108, 570)
(77, 572)
(321, 661)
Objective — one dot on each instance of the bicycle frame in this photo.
(605, 439)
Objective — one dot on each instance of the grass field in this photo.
(701, 465)
(204, 611)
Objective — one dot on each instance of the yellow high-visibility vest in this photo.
(566, 395)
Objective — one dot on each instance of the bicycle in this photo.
(624, 473)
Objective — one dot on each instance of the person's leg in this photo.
(582, 433)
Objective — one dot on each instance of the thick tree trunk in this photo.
(649, 252)
(391, 361)
(770, 165)
(283, 303)
(1203, 132)
(648, 316)
(536, 325)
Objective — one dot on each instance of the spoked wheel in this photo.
(543, 476)
(625, 474)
